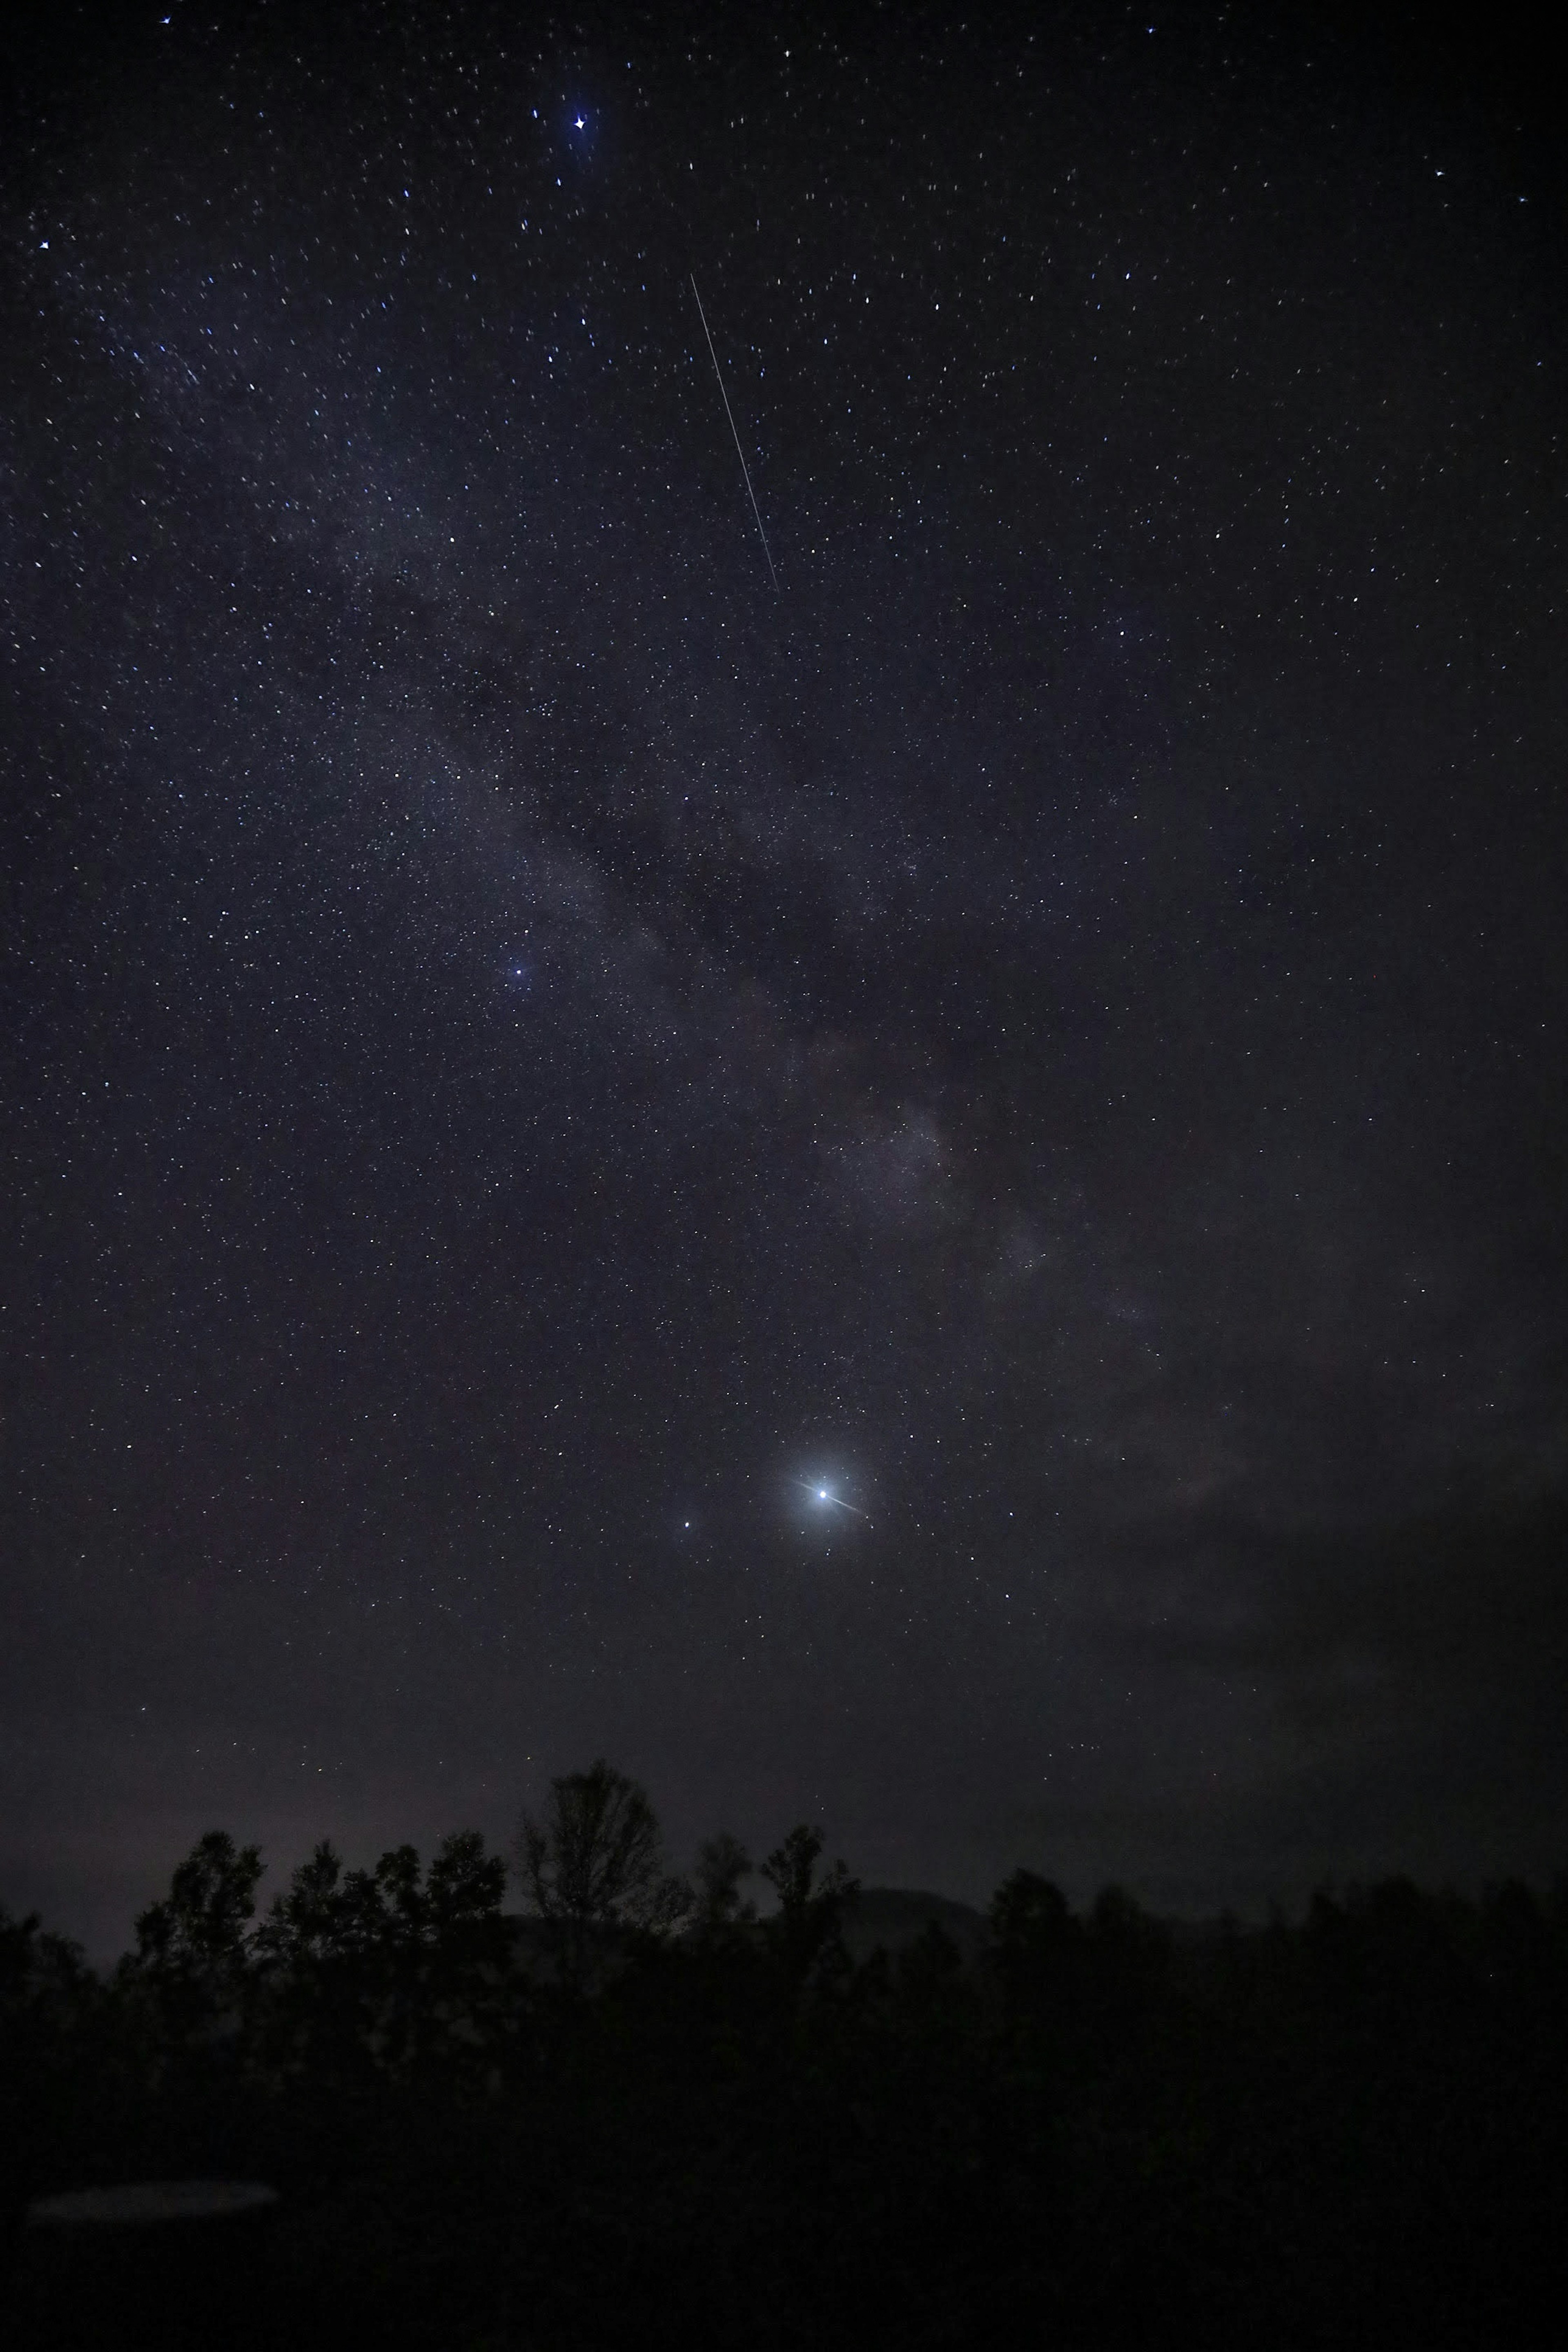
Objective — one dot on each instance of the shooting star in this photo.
(827, 1495)
(745, 469)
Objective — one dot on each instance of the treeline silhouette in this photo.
(645, 2115)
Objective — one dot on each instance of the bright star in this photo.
(826, 1494)
(579, 122)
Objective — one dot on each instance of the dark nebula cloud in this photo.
(522, 1043)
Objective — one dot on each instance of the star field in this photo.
(530, 1051)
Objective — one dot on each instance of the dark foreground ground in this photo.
(1083, 2131)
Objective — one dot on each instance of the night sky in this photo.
(528, 1052)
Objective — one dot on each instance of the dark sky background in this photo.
(522, 1044)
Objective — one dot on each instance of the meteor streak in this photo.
(746, 470)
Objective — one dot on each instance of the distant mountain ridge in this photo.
(890, 1918)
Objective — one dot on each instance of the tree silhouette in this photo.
(596, 1861)
(804, 1929)
(323, 1916)
(51, 2018)
(193, 1948)
(721, 1862)
(367, 1963)
(200, 1926)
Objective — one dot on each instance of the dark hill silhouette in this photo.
(891, 1918)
